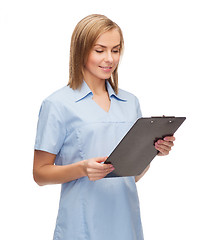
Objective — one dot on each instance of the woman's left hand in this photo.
(164, 145)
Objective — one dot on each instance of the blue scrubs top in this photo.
(74, 127)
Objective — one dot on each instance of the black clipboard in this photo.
(136, 150)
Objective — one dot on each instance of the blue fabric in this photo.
(74, 127)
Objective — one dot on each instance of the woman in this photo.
(79, 126)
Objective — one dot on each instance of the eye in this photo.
(116, 51)
(99, 51)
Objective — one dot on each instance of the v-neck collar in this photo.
(85, 91)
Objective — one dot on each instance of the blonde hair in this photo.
(84, 36)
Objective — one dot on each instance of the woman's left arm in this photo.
(164, 146)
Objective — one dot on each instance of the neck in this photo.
(97, 86)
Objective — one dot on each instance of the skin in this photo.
(105, 53)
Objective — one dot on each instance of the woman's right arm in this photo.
(45, 172)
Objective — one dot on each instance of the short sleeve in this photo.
(138, 109)
(51, 129)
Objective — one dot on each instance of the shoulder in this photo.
(61, 99)
(58, 102)
(132, 100)
(61, 96)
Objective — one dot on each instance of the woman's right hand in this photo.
(95, 170)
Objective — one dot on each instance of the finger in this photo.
(102, 167)
(162, 152)
(169, 138)
(95, 171)
(96, 163)
(166, 143)
(100, 159)
(99, 174)
(96, 176)
(164, 147)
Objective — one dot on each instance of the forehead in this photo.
(110, 38)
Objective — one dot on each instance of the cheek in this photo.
(93, 60)
(117, 59)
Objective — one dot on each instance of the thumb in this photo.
(101, 159)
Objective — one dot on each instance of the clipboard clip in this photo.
(163, 116)
(169, 117)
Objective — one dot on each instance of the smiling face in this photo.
(103, 57)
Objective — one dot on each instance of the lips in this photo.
(105, 67)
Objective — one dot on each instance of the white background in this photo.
(168, 64)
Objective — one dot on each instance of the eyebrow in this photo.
(105, 46)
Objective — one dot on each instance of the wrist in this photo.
(83, 168)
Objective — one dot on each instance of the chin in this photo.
(104, 76)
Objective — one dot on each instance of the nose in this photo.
(108, 57)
